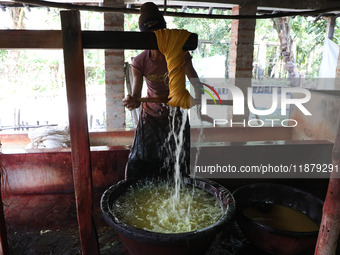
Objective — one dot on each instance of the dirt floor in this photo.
(47, 225)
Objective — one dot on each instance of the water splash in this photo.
(148, 206)
(170, 206)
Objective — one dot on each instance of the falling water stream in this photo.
(169, 206)
(179, 154)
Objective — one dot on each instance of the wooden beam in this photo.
(127, 40)
(80, 145)
(30, 39)
(52, 39)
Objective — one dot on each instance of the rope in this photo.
(170, 43)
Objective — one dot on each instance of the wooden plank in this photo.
(80, 146)
(51, 39)
(30, 39)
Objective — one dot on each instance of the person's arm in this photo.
(191, 73)
(130, 101)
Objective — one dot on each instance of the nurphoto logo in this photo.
(278, 101)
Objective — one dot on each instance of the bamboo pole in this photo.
(80, 146)
(152, 99)
(330, 224)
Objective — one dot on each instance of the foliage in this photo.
(308, 36)
(336, 38)
(53, 20)
(265, 31)
(215, 32)
(44, 68)
(3, 55)
(131, 24)
(94, 67)
(92, 20)
(214, 37)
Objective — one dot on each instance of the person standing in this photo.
(153, 149)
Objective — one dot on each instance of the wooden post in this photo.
(3, 230)
(330, 224)
(80, 146)
(74, 41)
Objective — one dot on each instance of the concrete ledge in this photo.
(50, 170)
(122, 137)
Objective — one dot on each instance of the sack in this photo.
(49, 137)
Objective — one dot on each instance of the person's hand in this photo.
(130, 102)
(198, 93)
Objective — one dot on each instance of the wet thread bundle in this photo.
(170, 43)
